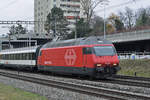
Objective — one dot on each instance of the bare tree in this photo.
(89, 6)
(128, 18)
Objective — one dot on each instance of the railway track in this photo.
(131, 78)
(80, 88)
(117, 79)
(129, 82)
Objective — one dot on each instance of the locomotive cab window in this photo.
(104, 50)
(87, 50)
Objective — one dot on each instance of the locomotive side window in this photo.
(87, 50)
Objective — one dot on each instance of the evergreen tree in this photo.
(17, 30)
(57, 23)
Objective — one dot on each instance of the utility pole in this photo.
(76, 29)
(76, 17)
(55, 28)
(104, 4)
(104, 23)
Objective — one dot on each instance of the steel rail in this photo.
(131, 77)
(128, 82)
(85, 89)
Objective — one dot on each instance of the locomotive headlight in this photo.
(99, 65)
(114, 64)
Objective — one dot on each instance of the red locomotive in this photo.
(86, 56)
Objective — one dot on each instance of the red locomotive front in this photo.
(106, 60)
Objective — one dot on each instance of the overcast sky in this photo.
(24, 9)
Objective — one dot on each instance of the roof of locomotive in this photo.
(79, 41)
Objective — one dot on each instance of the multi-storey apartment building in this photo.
(71, 8)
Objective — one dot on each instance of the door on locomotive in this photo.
(88, 65)
(86, 51)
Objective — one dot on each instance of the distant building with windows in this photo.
(71, 8)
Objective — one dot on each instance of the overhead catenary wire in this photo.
(9, 4)
(118, 5)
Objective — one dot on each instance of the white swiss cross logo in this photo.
(70, 57)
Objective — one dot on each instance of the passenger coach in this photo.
(20, 57)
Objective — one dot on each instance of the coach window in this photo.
(17, 56)
(87, 50)
(20, 56)
(14, 55)
(10, 57)
(6, 57)
(24, 57)
(33, 56)
(29, 56)
(1, 56)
